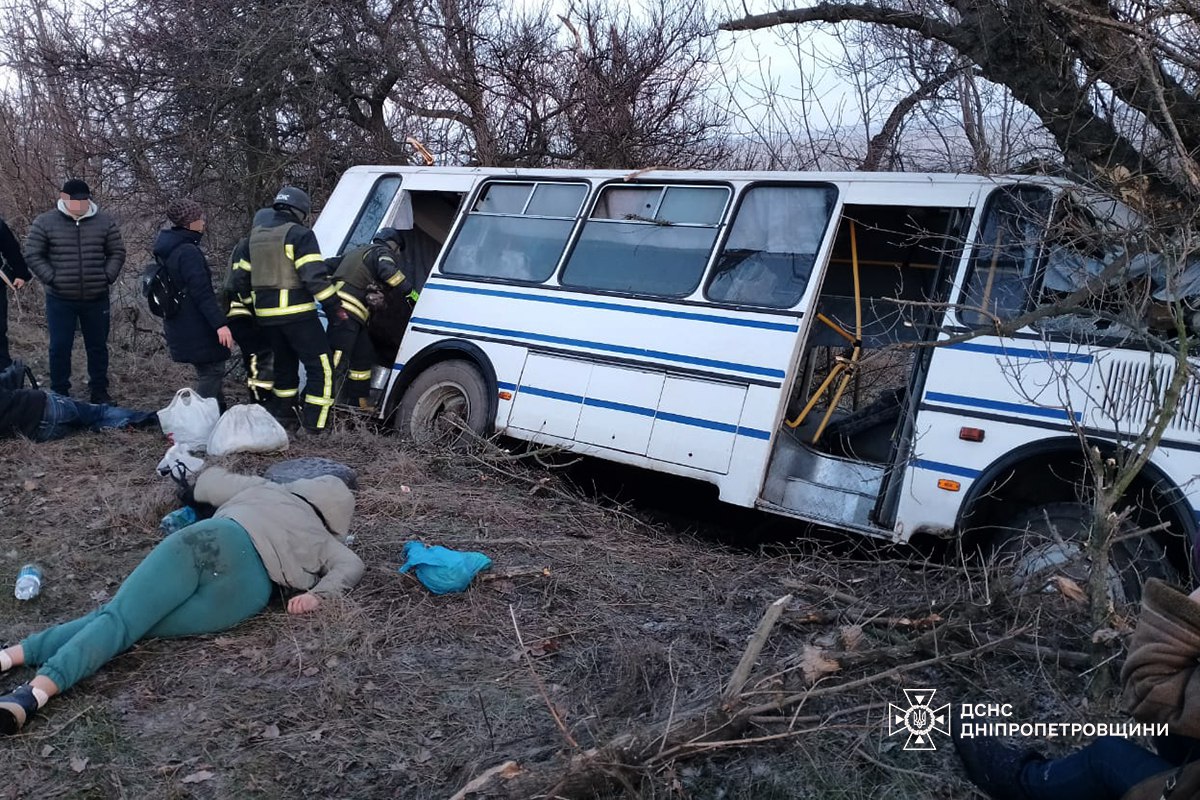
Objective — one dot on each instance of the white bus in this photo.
(770, 333)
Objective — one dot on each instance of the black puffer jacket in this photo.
(75, 259)
(10, 254)
(20, 411)
(191, 333)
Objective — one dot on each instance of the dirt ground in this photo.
(627, 623)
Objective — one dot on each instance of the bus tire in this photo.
(1029, 544)
(444, 401)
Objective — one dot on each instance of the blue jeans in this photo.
(91, 317)
(64, 415)
(1104, 770)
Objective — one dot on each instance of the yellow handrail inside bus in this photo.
(845, 366)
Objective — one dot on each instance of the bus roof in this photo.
(735, 175)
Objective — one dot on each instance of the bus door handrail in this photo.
(845, 366)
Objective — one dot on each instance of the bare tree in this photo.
(1112, 84)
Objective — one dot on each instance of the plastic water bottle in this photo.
(29, 582)
(177, 519)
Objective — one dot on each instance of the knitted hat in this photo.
(183, 211)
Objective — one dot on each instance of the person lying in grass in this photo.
(1161, 685)
(45, 416)
(204, 578)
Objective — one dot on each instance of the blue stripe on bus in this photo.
(950, 469)
(611, 406)
(567, 398)
(612, 348)
(1016, 408)
(1022, 352)
(642, 411)
(654, 312)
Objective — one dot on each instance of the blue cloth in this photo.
(64, 415)
(91, 316)
(442, 570)
(1104, 770)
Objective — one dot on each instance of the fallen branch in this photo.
(514, 572)
(541, 687)
(1071, 658)
(879, 676)
(508, 769)
(741, 673)
(811, 718)
(831, 594)
(712, 725)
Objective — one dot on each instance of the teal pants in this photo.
(204, 578)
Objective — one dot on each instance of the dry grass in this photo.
(397, 693)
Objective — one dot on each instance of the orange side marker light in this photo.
(949, 485)
(505, 395)
(971, 434)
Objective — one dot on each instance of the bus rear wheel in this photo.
(443, 402)
(1051, 540)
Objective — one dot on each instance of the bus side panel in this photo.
(1015, 391)
(636, 347)
(621, 426)
(697, 423)
(550, 395)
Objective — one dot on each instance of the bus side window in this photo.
(772, 246)
(1003, 274)
(648, 240)
(516, 231)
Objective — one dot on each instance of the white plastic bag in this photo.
(179, 461)
(189, 418)
(247, 429)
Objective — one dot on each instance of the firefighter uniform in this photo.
(252, 341)
(287, 277)
(353, 353)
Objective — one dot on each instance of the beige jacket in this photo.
(296, 547)
(1162, 681)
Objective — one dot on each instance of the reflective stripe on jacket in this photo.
(359, 269)
(287, 274)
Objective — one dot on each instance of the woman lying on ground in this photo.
(1162, 685)
(204, 578)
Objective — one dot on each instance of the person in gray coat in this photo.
(77, 252)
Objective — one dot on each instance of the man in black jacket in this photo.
(43, 416)
(12, 265)
(76, 250)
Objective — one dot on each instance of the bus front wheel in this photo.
(444, 401)
(1051, 539)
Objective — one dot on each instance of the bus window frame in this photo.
(362, 209)
(731, 220)
(473, 198)
(959, 302)
(599, 188)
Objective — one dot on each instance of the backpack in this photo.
(163, 296)
(13, 377)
